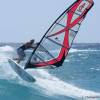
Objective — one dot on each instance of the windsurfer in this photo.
(21, 49)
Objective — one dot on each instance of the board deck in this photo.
(20, 72)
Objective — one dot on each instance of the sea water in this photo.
(77, 79)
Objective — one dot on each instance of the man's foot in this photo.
(17, 60)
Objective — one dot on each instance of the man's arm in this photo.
(40, 48)
(34, 46)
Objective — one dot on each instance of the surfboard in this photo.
(20, 72)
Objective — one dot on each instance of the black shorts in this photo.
(20, 53)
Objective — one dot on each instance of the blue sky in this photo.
(22, 20)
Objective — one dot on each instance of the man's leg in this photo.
(21, 55)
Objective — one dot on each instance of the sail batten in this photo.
(47, 52)
(56, 42)
(60, 24)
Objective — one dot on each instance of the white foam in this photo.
(49, 84)
(54, 86)
(96, 69)
(72, 50)
(82, 50)
(6, 71)
(6, 48)
(4, 57)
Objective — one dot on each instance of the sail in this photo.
(59, 37)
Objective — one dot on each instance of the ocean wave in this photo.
(54, 86)
(48, 84)
(95, 69)
(83, 50)
(6, 48)
(72, 50)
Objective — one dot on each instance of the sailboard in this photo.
(20, 72)
(60, 35)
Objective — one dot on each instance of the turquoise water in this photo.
(77, 79)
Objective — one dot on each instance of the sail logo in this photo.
(81, 7)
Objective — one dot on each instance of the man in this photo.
(20, 50)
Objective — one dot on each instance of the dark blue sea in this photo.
(77, 79)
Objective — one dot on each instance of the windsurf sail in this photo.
(59, 36)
